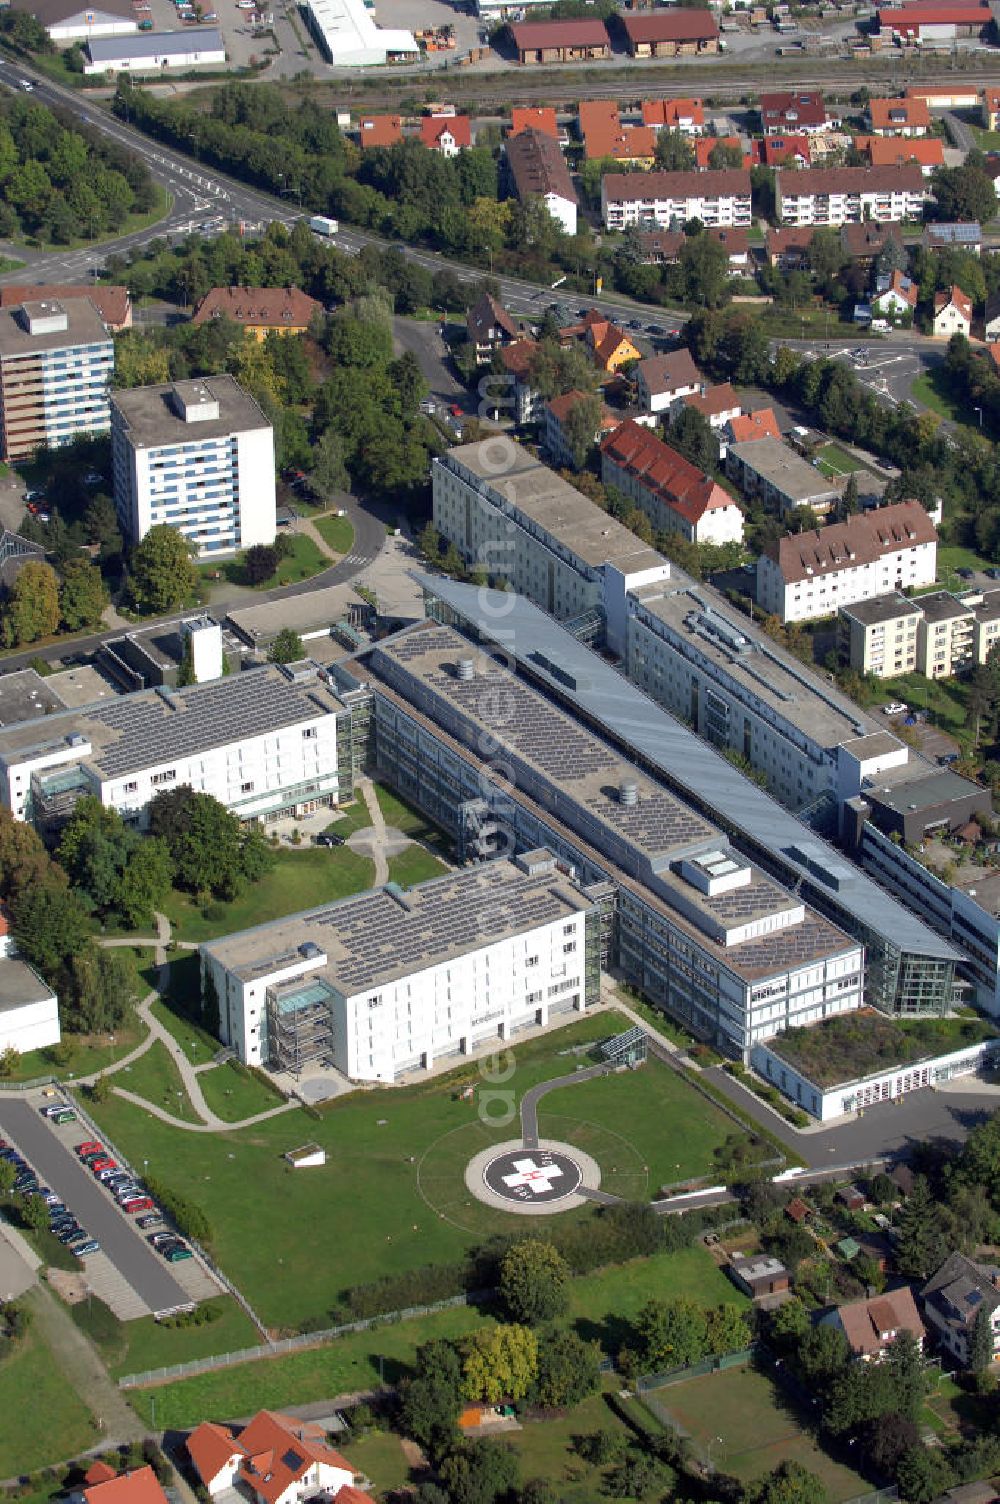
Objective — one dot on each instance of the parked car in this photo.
(89, 1146)
(329, 838)
(175, 1255)
(965, 574)
(895, 707)
(68, 1233)
(82, 1250)
(66, 1116)
(153, 1219)
(947, 758)
(138, 1204)
(50, 1109)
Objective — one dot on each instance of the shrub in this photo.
(190, 1219)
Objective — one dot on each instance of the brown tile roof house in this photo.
(666, 33)
(797, 1210)
(538, 166)
(679, 487)
(786, 112)
(727, 182)
(560, 41)
(260, 309)
(668, 374)
(489, 326)
(714, 401)
(113, 304)
(663, 247)
(829, 181)
(790, 246)
(859, 540)
(871, 1326)
(866, 241)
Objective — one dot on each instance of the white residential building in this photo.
(662, 200)
(393, 981)
(513, 517)
(275, 1459)
(661, 379)
(952, 313)
(851, 195)
(811, 574)
(675, 495)
(538, 170)
(267, 742)
(198, 455)
(56, 363)
(29, 1012)
(955, 1298)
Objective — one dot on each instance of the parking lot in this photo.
(128, 1274)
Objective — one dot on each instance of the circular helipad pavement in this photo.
(532, 1182)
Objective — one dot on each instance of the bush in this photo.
(190, 1219)
(202, 1315)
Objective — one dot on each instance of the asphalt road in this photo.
(57, 1166)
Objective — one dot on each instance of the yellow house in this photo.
(609, 346)
(260, 310)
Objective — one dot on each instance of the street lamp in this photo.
(711, 1444)
(980, 412)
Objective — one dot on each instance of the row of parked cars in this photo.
(62, 1223)
(134, 1199)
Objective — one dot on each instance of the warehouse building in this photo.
(393, 981)
(346, 34)
(153, 51)
(680, 32)
(934, 23)
(578, 41)
(68, 21)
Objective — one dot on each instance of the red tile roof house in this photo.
(517, 360)
(952, 313)
(276, 1459)
(705, 145)
(661, 379)
(896, 297)
(676, 496)
(555, 442)
(761, 424)
(783, 151)
(872, 1326)
(684, 115)
(801, 113)
(899, 117)
(380, 130)
(534, 118)
(448, 134)
(102, 1485)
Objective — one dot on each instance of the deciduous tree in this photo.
(32, 608)
(500, 1364)
(533, 1282)
(286, 648)
(161, 571)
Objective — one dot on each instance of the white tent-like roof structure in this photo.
(347, 33)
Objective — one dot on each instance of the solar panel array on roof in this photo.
(154, 730)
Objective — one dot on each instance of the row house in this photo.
(842, 195)
(668, 199)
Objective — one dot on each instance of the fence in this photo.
(32, 1085)
(284, 1345)
(714, 1364)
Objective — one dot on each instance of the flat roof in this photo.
(157, 726)
(877, 744)
(882, 608)
(351, 35)
(701, 624)
(581, 780)
(84, 326)
(934, 789)
(685, 761)
(151, 420)
(383, 935)
(530, 488)
(787, 471)
(311, 611)
(155, 44)
(24, 695)
(940, 606)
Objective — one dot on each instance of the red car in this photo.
(90, 1147)
(456, 411)
(138, 1204)
(103, 1164)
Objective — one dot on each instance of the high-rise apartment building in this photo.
(198, 455)
(56, 360)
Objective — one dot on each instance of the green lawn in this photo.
(90, 1052)
(352, 1363)
(353, 817)
(299, 879)
(235, 1094)
(9, 264)
(932, 389)
(984, 139)
(129, 226)
(836, 460)
(546, 1450)
(759, 1426)
(943, 699)
(409, 1148)
(301, 563)
(402, 816)
(337, 532)
(951, 556)
(47, 1420)
(650, 1109)
(415, 865)
(135, 1346)
(379, 1456)
(196, 1042)
(155, 1077)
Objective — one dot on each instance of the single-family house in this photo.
(717, 404)
(991, 318)
(684, 115)
(872, 1326)
(524, 399)
(534, 118)
(447, 134)
(276, 1459)
(661, 379)
(380, 130)
(899, 117)
(783, 151)
(761, 424)
(704, 146)
(865, 241)
(896, 298)
(606, 138)
(102, 1485)
(610, 347)
(958, 1295)
(788, 248)
(952, 313)
(960, 235)
(489, 327)
(797, 113)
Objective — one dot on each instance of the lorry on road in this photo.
(321, 225)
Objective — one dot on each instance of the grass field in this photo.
(759, 1426)
(602, 1305)
(89, 1053)
(952, 556)
(354, 817)
(409, 1149)
(195, 1041)
(340, 1367)
(46, 1419)
(415, 865)
(234, 1094)
(336, 532)
(834, 459)
(943, 699)
(931, 388)
(379, 1455)
(298, 880)
(155, 1077)
(402, 816)
(134, 1346)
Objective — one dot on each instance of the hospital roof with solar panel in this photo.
(381, 936)
(157, 726)
(633, 826)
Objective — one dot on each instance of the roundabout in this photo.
(548, 1177)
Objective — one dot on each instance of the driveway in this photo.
(53, 1159)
